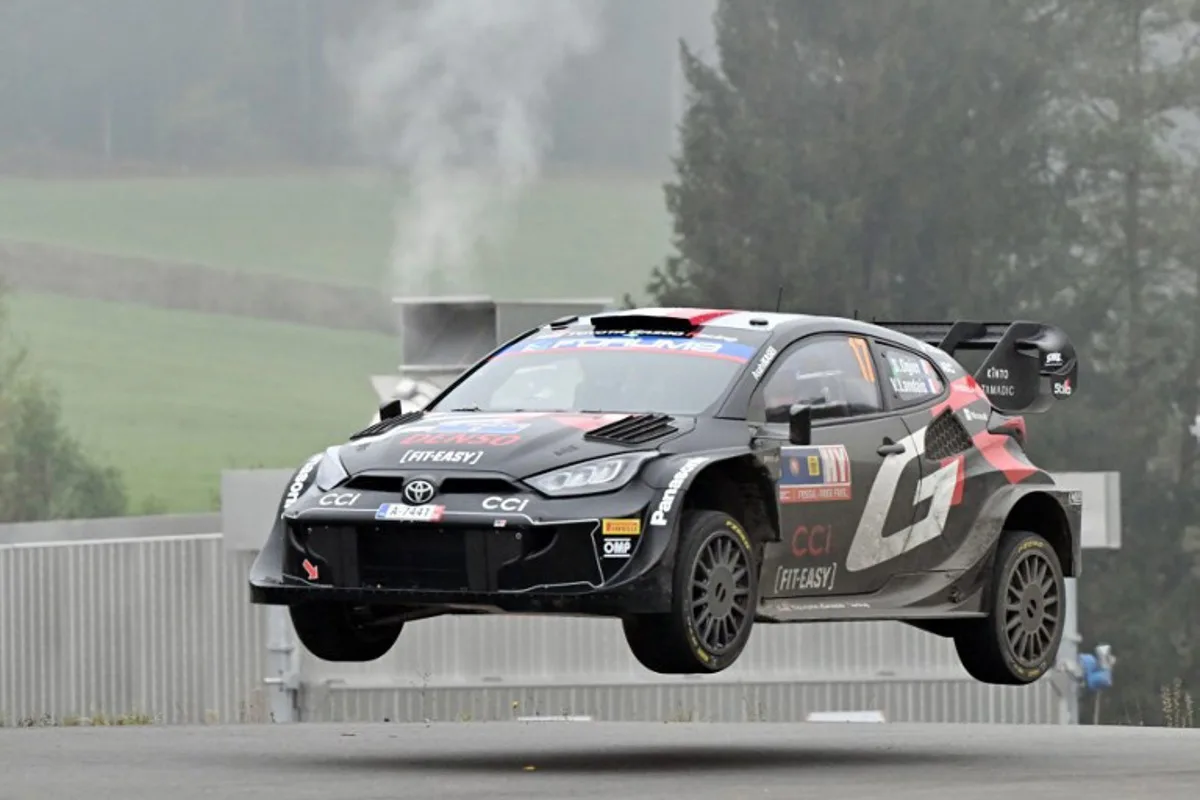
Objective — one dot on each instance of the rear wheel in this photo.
(1018, 641)
(341, 632)
(715, 592)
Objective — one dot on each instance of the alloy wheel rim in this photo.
(1032, 608)
(720, 592)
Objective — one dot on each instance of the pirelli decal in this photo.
(621, 527)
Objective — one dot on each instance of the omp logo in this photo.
(659, 517)
(870, 547)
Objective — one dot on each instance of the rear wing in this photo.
(1028, 365)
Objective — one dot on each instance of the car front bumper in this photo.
(591, 555)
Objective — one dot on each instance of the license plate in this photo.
(397, 512)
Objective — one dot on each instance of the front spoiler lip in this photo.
(640, 596)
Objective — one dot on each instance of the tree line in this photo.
(169, 85)
(987, 159)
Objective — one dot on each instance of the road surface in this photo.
(559, 760)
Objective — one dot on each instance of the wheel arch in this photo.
(740, 487)
(1041, 513)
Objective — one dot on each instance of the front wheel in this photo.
(1018, 641)
(341, 632)
(715, 592)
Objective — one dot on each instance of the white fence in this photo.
(151, 616)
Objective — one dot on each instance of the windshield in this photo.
(577, 370)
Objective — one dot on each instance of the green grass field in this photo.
(573, 235)
(171, 398)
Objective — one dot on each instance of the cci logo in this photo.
(418, 492)
(340, 499)
(505, 504)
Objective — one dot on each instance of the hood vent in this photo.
(386, 425)
(637, 429)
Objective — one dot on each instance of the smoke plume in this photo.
(453, 93)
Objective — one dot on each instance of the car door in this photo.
(915, 388)
(851, 476)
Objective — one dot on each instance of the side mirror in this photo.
(389, 409)
(800, 424)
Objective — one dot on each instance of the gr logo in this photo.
(618, 548)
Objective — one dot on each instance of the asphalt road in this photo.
(560, 760)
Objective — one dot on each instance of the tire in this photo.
(331, 632)
(716, 554)
(1027, 594)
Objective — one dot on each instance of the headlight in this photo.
(590, 477)
(330, 472)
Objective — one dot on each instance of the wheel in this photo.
(338, 632)
(1017, 643)
(714, 594)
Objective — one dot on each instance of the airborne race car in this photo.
(696, 472)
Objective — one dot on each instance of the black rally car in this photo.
(694, 472)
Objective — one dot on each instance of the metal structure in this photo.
(151, 616)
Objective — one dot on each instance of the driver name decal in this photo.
(814, 474)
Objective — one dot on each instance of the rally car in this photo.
(694, 473)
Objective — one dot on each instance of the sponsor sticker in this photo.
(814, 474)
(733, 351)
(618, 548)
(300, 482)
(971, 415)
(764, 362)
(398, 512)
(441, 457)
(798, 579)
(659, 517)
(621, 527)
(465, 439)
(811, 540)
(339, 499)
(512, 504)
(1075, 498)
(1062, 388)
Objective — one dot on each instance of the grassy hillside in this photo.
(582, 235)
(171, 398)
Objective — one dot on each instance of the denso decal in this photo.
(659, 517)
(441, 457)
(300, 482)
(468, 439)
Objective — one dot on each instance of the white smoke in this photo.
(453, 93)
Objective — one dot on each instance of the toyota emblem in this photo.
(418, 492)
